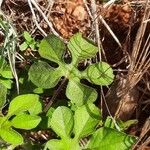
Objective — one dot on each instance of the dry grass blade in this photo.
(9, 46)
(45, 18)
(139, 63)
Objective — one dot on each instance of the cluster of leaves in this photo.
(22, 114)
(45, 76)
(29, 42)
(70, 124)
(5, 80)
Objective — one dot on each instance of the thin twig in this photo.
(96, 25)
(110, 31)
(35, 20)
(54, 95)
(45, 18)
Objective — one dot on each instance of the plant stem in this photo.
(54, 95)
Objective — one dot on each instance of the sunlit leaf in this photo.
(107, 138)
(62, 121)
(80, 48)
(43, 75)
(86, 118)
(23, 46)
(80, 94)
(3, 92)
(25, 121)
(27, 36)
(100, 73)
(11, 136)
(55, 145)
(23, 103)
(52, 48)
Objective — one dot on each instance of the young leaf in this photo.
(6, 72)
(52, 48)
(3, 92)
(22, 103)
(11, 136)
(25, 121)
(27, 37)
(80, 94)
(54, 145)
(62, 121)
(107, 138)
(64, 144)
(43, 75)
(7, 83)
(81, 48)
(23, 46)
(85, 120)
(36, 108)
(100, 73)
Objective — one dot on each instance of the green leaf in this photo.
(52, 48)
(27, 36)
(127, 124)
(62, 121)
(80, 94)
(49, 114)
(3, 93)
(7, 73)
(23, 46)
(7, 83)
(109, 123)
(43, 75)
(25, 121)
(11, 136)
(64, 144)
(100, 73)
(86, 118)
(54, 145)
(81, 48)
(38, 90)
(107, 138)
(36, 108)
(23, 103)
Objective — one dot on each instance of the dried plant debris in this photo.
(70, 17)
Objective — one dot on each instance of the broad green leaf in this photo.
(11, 136)
(6, 73)
(23, 46)
(7, 83)
(22, 103)
(64, 144)
(43, 75)
(81, 48)
(36, 108)
(25, 121)
(27, 36)
(3, 93)
(80, 94)
(54, 145)
(52, 48)
(85, 120)
(100, 73)
(107, 138)
(62, 121)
